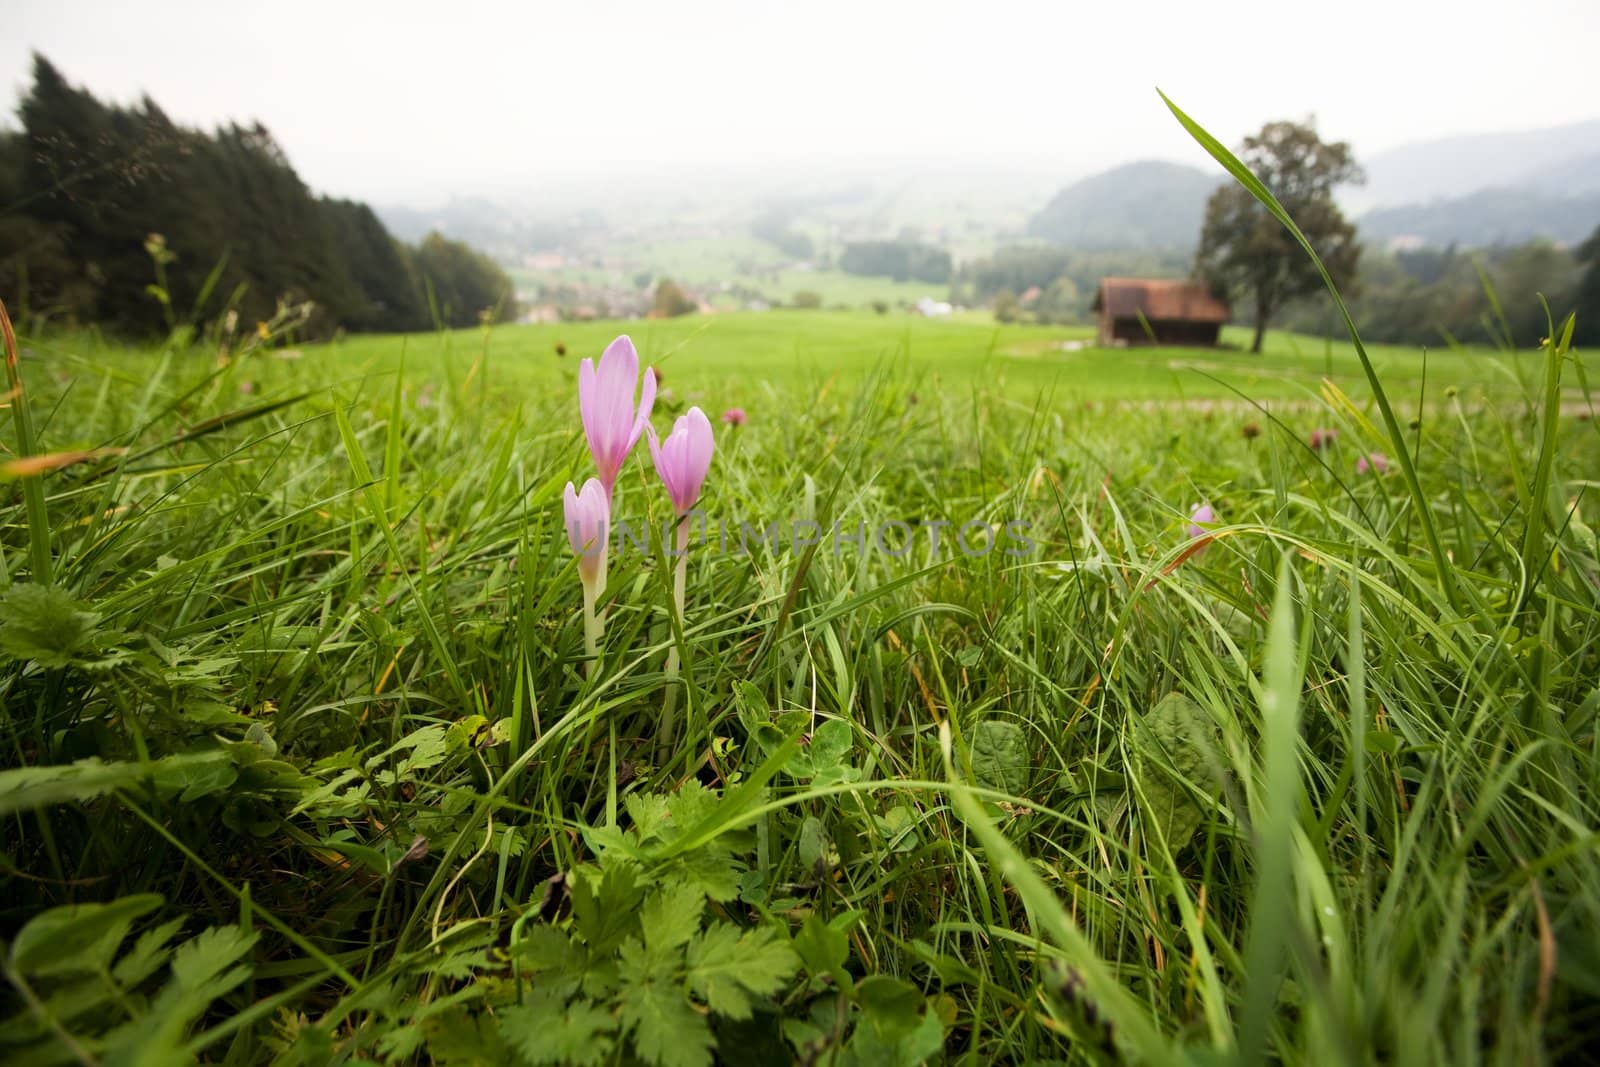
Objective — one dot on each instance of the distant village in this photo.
(565, 287)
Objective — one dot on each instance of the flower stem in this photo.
(680, 580)
(594, 624)
(591, 631)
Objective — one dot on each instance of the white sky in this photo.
(404, 101)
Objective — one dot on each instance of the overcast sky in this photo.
(403, 101)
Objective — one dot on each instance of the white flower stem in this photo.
(680, 580)
(591, 630)
(594, 625)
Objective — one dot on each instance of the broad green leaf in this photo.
(205, 963)
(467, 733)
(47, 625)
(813, 844)
(1175, 743)
(77, 937)
(667, 1031)
(197, 777)
(824, 946)
(1000, 757)
(23, 788)
(726, 968)
(605, 905)
(544, 948)
(648, 812)
(826, 757)
(204, 968)
(543, 1030)
(257, 735)
(460, 1037)
(870, 1047)
(830, 745)
(753, 702)
(712, 871)
(147, 954)
(670, 918)
(898, 825)
(690, 805)
(891, 1005)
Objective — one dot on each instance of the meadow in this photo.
(760, 358)
(306, 762)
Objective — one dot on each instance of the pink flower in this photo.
(684, 458)
(1322, 438)
(605, 400)
(734, 416)
(1202, 513)
(588, 515)
(1373, 461)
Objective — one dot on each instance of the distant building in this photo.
(933, 309)
(1141, 311)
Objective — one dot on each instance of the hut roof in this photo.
(1158, 300)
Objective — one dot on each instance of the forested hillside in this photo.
(122, 217)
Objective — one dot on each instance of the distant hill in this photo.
(1488, 217)
(1572, 177)
(1552, 159)
(1149, 204)
(485, 224)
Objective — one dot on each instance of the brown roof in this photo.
(1159, 301)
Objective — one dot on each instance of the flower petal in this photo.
(619, 380)
(658, 458)
(647, 401)
(701, 445)
(588, 393)
(571, 514)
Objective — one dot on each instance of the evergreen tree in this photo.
(87, 190)
(463, 286)
(1586, 330)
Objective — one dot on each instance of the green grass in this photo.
(1118, 797)
(758, 358)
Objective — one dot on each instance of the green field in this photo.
(307, 763)
(707, 264)
(757, 358)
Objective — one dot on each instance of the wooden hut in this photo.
(1142, 311)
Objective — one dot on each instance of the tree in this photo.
(87, 187)
(900, 260)
(384, 273)
(1587, 329)
(1006, 308)
(1525, 278)
(1060, 302)
(1246, 254)
(464, 287)
(671, 301)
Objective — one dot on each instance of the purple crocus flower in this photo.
(606, 401)
(588, 515)
(684, 458)
(1373, 461)
(1202, 513)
